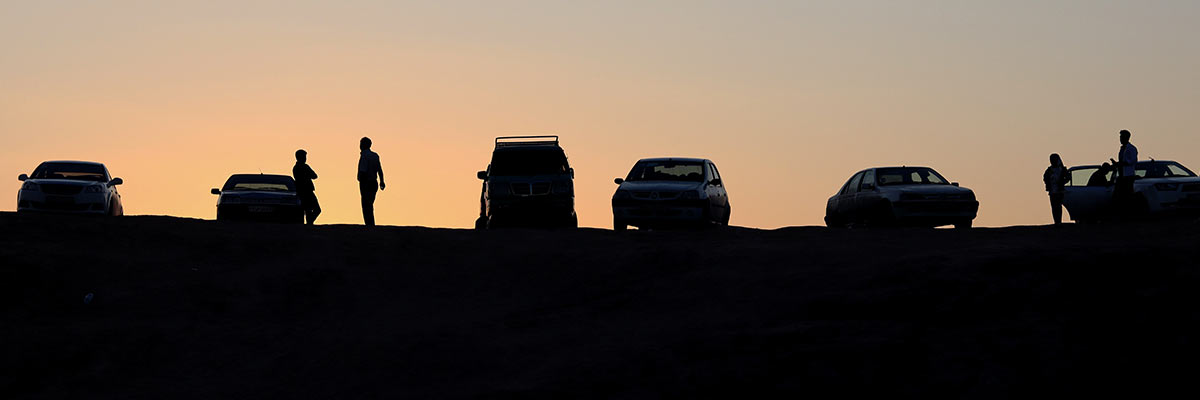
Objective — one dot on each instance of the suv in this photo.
(528, 182)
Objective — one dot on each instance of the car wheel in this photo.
(725, 218)
(481, 223)
(572, 222)
(963, 225)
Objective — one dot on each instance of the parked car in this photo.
(917, 196)
(670, 191)
(70, 187)
(259, 197)
(1162, 188)
(529, 182)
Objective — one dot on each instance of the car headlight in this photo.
(621, 195)
(94, 189)
(497, 190)
(30, 186)
(562, 187)
(690, 195)
(230, 199)
(1166, 187)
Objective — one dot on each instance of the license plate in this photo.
(60, 200)
(260, 209)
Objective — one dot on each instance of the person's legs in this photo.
(1056, 207)
(1123, 196)
(368, 190)
(312, 209)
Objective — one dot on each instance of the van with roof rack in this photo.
(528, 183)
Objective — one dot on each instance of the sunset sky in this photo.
(788, 98)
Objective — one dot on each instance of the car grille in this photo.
(531, 189)
(648, 195)
(60, 189)
(1191, 187)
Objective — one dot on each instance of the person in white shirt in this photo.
(368, 169)
(1126, 161)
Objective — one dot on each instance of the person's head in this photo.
(1106, 167)
(364, 144)
(1125, 136)
(301, 156)
(1055, 160)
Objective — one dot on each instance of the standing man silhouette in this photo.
(304, 175)
(1124, 165)
(368, 168)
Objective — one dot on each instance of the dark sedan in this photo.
(259, 197)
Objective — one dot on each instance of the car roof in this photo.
(1139, 162)
(683, 159)
(257, 175)
(72, 162)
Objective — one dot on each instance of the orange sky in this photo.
(788, 99)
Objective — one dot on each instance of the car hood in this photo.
(925, 189)
(1178, 179)
(660, 186)
(252, 194)
(64, 182)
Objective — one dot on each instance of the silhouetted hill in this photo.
(199, 309)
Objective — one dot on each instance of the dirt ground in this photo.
(183, 308)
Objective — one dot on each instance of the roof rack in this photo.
(505, 141)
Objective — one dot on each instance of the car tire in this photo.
(619, 225)
(572, 222)
(725, 218)
(481, 223)
(963, 225)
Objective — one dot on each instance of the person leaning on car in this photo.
(304, 175)
(1056, 178)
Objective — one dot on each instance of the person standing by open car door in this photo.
(1056, 178)
(1128, 157)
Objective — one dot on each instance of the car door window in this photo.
(868, 181)
(854, 182)
(1080, 176)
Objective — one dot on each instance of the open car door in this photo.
(1087, 203)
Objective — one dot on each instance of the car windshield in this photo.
(667, 171)
(909, 176)
(74, 171)
(1162, 169)
(264, 183)
(515, 162)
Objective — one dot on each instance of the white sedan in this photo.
(1161, 188)
(79, 187)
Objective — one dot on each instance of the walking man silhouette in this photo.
(368, 169)
(304, 175)
(1124, 165)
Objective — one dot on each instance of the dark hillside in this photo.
(198, 309)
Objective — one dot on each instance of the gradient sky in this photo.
(789, 98)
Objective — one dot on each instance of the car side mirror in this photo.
(216, 191)
(22, 177)
(481, 175)
(115, 182)
(954, 184)
(619, 181)
(715, 182)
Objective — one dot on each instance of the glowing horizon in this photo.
(787, 99)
